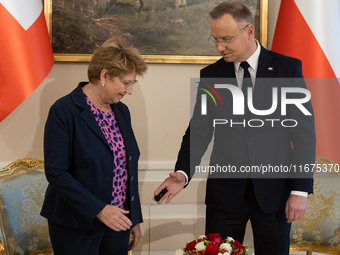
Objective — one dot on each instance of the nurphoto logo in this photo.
(238, 104)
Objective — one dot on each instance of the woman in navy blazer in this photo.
(91, 159)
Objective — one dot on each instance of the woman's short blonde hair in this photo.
(115, 56)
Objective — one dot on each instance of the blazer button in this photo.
(130, 158)
(131, 178)
(132, 198)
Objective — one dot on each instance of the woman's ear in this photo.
(104, 75)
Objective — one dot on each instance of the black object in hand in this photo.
(161, 194)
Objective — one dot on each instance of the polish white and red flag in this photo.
(26, 55)
(309, 31)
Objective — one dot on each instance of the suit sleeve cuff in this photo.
(299, 193)
(186, 176)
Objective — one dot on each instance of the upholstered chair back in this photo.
(22, 229)
(319, 229)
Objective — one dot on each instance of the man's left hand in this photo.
(295, 207)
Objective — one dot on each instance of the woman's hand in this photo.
(135, 236)
(114, 218)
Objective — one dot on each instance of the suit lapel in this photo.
(226, 70)
(79, 100)
(123, 126)
(265, 71)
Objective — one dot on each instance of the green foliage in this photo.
(162, 29)
(158, 29)
(66, 20)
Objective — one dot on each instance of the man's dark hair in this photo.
(237, 10)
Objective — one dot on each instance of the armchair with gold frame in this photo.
(319, 229)
(22, 189)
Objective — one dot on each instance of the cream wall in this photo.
(159, 108)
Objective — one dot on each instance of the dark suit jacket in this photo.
(79, 163)
(238, 146)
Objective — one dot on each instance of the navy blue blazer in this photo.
(79, 163)
(238, 146)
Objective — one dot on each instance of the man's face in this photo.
(239, 49)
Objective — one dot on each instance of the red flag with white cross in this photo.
(26, 55)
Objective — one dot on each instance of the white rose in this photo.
(230, 238)
(200, 246)
(226, 246)
(202, 236)
(226, 253)
(179, 252)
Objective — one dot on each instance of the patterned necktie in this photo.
(246, 83)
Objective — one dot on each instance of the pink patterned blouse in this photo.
(110, 129)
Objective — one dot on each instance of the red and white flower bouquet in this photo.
(213, 244)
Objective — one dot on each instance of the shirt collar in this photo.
(253, 60)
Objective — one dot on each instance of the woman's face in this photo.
(114, 89)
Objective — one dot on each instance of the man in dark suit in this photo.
(271, 203)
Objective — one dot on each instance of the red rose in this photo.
(211, 249)
(238, 245)
(190, 246)
(214, 238)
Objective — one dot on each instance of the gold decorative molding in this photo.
(311, 248)
(264, 23)
(155, 59)
(322, 160)
(2, 249)
(42, 252)
(25, 164)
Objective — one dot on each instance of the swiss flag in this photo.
(308, 30)
(26, 55)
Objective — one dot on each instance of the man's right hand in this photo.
(174, 184)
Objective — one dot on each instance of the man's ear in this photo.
(250, 30)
